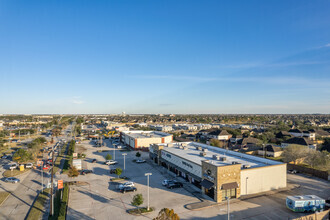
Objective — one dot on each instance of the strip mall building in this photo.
(143, 139)
(218, 172)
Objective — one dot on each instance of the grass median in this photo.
(3, 196)
(38, 206)
(15, 172)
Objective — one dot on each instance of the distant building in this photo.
(222, 135)
(298, 133)
(299, 141)
(271, 151)
(142, 139)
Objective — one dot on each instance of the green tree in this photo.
(138, 154)
(167, 214)
(294, 152)
(118, 171)
(108, 157)
(216, 143)
(22, 155)
(137, 200)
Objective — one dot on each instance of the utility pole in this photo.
(148, 174)
(42, 176)
(52, 185)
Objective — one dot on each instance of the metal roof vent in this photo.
(223, 159)
(205, 150)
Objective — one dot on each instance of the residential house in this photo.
(299, 141)
(271, 150)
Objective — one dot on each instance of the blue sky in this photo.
(164, 56)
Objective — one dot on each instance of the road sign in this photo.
(60, 184)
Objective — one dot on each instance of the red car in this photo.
(46, 167)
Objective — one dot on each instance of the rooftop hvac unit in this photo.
(246, 166)
(223, 159)
(235, 162)
(202, 154)
(199, 148)
(215, 156)
(184, 148)
(205, 150)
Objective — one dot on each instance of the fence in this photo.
(314, 172)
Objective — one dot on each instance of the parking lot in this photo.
(101, 199)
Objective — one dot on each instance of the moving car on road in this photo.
(172, 185)
(128, 189)
(127, 184)
(110, 162)
(140, 161)
(12, 180)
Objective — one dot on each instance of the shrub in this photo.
(137, 200)
(108, 157)
(73, 172)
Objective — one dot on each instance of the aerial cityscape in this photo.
(164, 110)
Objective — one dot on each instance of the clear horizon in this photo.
(173, 57)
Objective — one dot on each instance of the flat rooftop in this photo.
(146, 134)
(192, 154)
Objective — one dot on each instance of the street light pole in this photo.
(228, 211)
(114, 153)
(124, 154)
(148, 174)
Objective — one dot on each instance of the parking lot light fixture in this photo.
(148, 174)
(228, 211)
(124, 154)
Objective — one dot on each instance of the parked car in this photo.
(13, 166)
(12, 180)
(128, 189)
(119, 146)
(110, 162)
(175, 184)
(112, 171)
(94, 161)
(166, 182)
(4, 157)
(293, 171)
(127, 184)
(84, 172)
(140, 161)
(29, 165)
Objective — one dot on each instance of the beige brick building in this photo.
(220, 173)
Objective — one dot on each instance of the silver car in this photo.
(12, 180)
